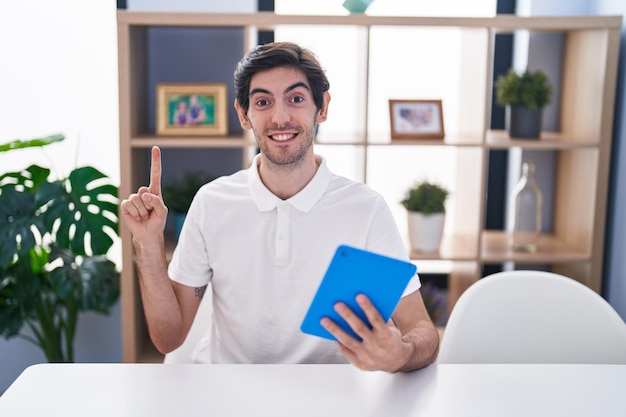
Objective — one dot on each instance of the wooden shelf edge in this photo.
(499, 139)
(495, 249)
(452, 248)
(551, 249)
(188, 142)
(501, 23)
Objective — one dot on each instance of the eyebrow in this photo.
(288, 89)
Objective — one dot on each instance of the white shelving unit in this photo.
(576, 245)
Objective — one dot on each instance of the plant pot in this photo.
(425, 231)
(356, 6)
(524, 122)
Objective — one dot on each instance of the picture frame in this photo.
(192, 109)
(416, 119)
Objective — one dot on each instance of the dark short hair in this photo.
(280, 54)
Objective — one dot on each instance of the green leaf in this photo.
(530, 89)
(86, 214)
(100, 284)
(30, 178)
(426, 198)
(21, 144)
(18, 220)
(20, 291)
(93, 280)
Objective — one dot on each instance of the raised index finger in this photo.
(155, 172)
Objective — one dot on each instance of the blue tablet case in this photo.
(354, 271)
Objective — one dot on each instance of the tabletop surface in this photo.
(316, 390)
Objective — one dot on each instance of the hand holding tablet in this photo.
(351, 272)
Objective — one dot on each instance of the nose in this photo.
(280, 114)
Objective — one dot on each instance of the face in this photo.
(282, 115)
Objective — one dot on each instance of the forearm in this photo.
(161, 307)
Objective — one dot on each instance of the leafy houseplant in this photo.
(425, 198)
(54, 237)
(178, 194)
(530, 89)
(426, 214)
(525, 95)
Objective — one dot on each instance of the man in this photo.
(264, 236)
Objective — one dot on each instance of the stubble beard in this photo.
(286, 160)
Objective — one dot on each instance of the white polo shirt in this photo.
(265, 257)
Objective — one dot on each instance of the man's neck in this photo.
(285, 181)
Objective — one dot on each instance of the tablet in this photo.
(353, 271)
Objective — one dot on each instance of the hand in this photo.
(144, 212)
(381, 347)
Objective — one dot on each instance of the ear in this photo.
(243, 117)
(323, 112)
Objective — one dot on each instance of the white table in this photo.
(140, 390)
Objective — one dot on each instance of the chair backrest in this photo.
(532, 317)
(184, 353)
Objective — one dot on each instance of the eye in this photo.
(297, 99)
(262, 102)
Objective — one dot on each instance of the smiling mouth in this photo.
(282, 137)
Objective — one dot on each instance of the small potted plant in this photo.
(426, 215)
(179, 192)
(525, 95)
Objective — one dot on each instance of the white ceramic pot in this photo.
(425, 232)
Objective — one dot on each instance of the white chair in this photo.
(201, 322)
(532, 317)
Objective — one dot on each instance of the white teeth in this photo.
(283, 137)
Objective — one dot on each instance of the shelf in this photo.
(499, 139)
(452, 248)
(188, 142)
(496, 249)
(359, 146)
(269, 20)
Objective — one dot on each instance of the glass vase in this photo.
(526, 206)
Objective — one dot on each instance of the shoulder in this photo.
(351, 189)
(225, 187)
(238, 178)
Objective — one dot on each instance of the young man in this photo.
(264, 236)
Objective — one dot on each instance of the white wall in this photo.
(58, 74)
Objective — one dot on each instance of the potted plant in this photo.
(426, 215)
(525, 95)
(179, 192)
(54, 237)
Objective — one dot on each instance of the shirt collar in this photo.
(303, 201)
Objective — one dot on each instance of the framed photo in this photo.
(416, 119)
(192, 109)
